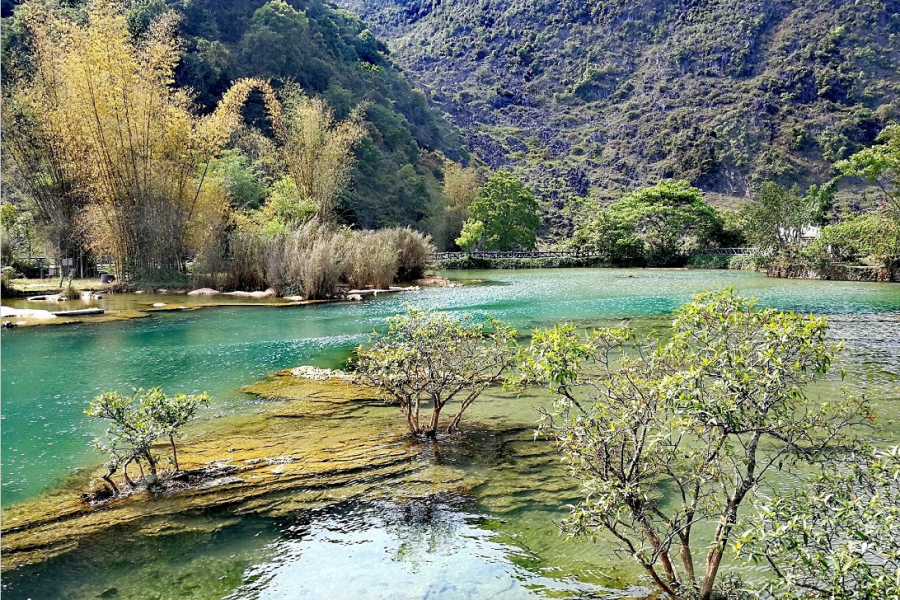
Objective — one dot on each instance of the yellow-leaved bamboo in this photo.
(128, 138)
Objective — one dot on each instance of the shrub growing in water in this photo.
(429, 357)
(136, 423)
(707, 414)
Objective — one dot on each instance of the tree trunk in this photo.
(714, 558)
(108, 479)
(174, 452)
(125, 473)
(435, 418)
(151, 465)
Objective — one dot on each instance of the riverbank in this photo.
(547, 262)
(101, 306)
(788, 270)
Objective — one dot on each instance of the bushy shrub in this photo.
(6, 276)
(748, 262)
(547, 262)
(709, 261)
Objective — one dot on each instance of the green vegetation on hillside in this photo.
(598, 98)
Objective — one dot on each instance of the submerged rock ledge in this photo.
(319, 455)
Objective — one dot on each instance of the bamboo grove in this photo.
(115, 160)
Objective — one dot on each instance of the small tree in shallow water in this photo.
(136, 423)
(430, 357)
(171, 414)
(666, 435)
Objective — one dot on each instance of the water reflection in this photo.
(430, 548)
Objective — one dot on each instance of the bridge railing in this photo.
(497, 254)
(567, 253)
(725, 251)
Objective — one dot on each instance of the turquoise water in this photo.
(489, 544)
(49, 374)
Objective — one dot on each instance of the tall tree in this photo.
(776, 219)
(671, 218)
(316, 149)
(503, 217)
(879, 164)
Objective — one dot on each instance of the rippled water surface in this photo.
(491, 544)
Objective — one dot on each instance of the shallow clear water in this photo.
(498, 544)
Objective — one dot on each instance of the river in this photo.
(494, 540)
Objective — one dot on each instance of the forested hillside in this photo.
(594, 97)
(330, 53)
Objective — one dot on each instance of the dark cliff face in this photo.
(594, 97)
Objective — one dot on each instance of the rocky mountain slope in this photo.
(595, 97)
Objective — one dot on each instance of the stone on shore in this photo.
(204, 292)
(318, 374)
(26, 313)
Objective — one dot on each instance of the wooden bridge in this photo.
(725, 251)
(497, 254)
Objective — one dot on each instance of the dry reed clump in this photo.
(314, 259)
(413, 249)
(371, 260)
(246, 269)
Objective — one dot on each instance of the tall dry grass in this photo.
(314, 260)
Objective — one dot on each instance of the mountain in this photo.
(600, 96)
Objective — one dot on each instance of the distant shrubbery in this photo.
(549, 262)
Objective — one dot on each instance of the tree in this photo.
(245, 181)
(317, 150)
(872, 235)
(461, 185)
(665, 435)
(607, 235)
(430, 357)
(43, 172)
(671, 218)
(172, 414)
(508, 213)
(836, 537)
(879, 164)
(130, 436)
(777, 218)
(272, 45)
(136, 423)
